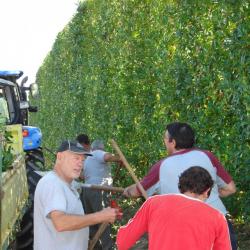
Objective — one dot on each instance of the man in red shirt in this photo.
(179, 221)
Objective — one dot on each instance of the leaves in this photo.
(7, 155)
(124, 69)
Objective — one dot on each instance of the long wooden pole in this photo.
(130, 170)
(103, 188)
(104, 225)
(98, 234)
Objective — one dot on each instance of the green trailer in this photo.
(14, 188)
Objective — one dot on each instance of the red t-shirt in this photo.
(176, 222)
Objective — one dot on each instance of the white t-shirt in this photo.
(96, 170)
(172, 167)
(52, 194)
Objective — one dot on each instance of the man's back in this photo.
(173, 166)
(96, 170)
(178, 222)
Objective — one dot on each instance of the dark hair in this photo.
(83, 138)
(182, 133)
(195, 180)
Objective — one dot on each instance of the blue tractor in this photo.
(18, 106)
(14, 109)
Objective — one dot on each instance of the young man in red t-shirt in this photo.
(179, 221)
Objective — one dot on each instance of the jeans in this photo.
(232, 233)
(94, 201)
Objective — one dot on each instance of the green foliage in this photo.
(7, 152)
(124, 69)
(6, 149)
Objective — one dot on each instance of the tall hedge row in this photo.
(124, 69)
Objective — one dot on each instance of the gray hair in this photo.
(97, 144)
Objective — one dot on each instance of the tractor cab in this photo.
(14, 106)
(13, 98)
(10, 103)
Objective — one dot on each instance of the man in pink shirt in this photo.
(179, 221)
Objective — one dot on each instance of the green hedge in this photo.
(124, 69)
(6, 155)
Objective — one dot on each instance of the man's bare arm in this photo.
(132, 191)
(66, 222)
(227, 190)
(108, 157)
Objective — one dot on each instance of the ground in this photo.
(243, 232)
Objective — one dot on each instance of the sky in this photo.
(28, 30)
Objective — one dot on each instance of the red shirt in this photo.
(176, 222)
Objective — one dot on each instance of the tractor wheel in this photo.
(34, 162)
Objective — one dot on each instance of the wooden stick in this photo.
(98, 234)
(130, 170)
(103, 188)
(104, 225)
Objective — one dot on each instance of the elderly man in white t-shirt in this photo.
(97, 171)
(59, 219)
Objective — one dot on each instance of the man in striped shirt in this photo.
(179, 140)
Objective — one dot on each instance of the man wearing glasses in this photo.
(179, 139)
(59, 219)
